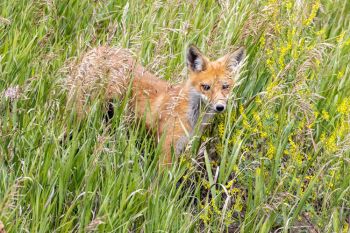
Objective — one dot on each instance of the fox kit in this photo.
(174, 112)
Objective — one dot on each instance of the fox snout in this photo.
(220, 107)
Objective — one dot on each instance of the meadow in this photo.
(277, 161)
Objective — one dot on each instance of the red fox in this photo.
(172, 111)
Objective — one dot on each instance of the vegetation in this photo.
(277, 161)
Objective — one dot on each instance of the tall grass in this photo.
(277, 161)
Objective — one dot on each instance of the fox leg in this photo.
(177, 139)
(178, 143)
(165, 156)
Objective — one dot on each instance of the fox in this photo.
(175, 112)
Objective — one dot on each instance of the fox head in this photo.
(213, 80)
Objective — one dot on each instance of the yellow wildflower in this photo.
(308, 178)
(206, 184)
(219, 148)
(270, 89)
(340, 38)
(325, 115)
(289, 5)
(344, 106)
(331, 144)
(278, 27)
(321, 32)
(258, 121)
(344, 128)
(205, 218)
(313, 13)
(258, 100)
(183, 160)
(340, 74)
(246, 125)
(263, 134)
(284, 50)
(235, 168)
(238, 204)
(230, 183)
(221, 129)
(294, 152)
(215, 207)
(235, 191)
(241, 110)
(271, 151)
(262, 41)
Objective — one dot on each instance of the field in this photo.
(277, 161)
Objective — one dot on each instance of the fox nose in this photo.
(220, 107)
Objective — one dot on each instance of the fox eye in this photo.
(205, 87)
(225, 86)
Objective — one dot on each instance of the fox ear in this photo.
(235, 59)
(195, 61)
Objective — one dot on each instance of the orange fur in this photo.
(170, 110)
